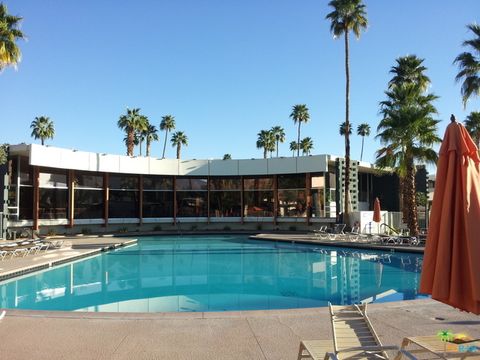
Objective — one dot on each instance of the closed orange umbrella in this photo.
(377, 217)
(451, 263)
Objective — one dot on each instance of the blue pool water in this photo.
(217, 273)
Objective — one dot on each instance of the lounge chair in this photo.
(321, 231)
(353, 338)
(337, 233)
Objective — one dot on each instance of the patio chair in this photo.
(337, 233)
(353, 338)
(321, 231)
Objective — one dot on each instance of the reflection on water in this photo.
(217, 274)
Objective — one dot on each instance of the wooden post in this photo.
(242, 205)
(275, 199)
(140, 199)
(106, 179)
(308, 195)
(71, 198)
(36, 197)
(174, 200)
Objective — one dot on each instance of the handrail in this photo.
(391, 228)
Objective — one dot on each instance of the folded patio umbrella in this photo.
(377, 216)
(451, 264)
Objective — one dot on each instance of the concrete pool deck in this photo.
(274, 334)
(72, 249)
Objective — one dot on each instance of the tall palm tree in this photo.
(409, 70)
(299, 114)
(469, 66)
(227, 157)
(178, 139)
(141, 131)
(407, 132)
(3, 153)
(347, 15)
(306, 145)
(293, 147)
(42, 128)
(472, 124)
(279, 135)
(167, 124)
(151, 134)
(266, 141)
(363, 130)
(131, 122)
(10, 54)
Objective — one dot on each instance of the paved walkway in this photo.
(228, 335)
(312, 239)
(71, 249)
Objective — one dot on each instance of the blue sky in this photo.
(225, 69)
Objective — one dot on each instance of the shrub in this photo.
(123, 229)
(51, 232)
(193, 227)
(86, 231)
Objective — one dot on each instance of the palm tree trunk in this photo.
(411, 200)
(277, 148)
(347, 135)
(148, 148)
(178, 150)
(140, 143)
(361, 153)
(298, 142)
(131, 137)
(165, 144)
(43, 141)
(264, 152)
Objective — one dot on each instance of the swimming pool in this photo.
(217, 273)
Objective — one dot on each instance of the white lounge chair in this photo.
(353, 338)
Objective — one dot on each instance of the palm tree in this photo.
(407, 132)
(306, 145)
(343, 129)
(178, 139)
(293, 147)
(279, 135)
(167, 124)
(347, 15)
(266, 141)
(363, 130)
(141, 131)
(151, 134)
(3, 153)
(469, 66)
(409, 69)
(9, 33)
(42, 128)
(227, 157)
(472, 124)
(131, 122)
(299, 114)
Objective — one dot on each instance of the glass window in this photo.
(53, 203)
(225, 204)
(157, 204)
(53, 179)
(122, 182)
(225, 184)
(192, 203)
(260, 183)
(88, 180)
(191, 184)
(26, 171)
(292, 203)
(123, 204)
(291, 181)
(26, 203)
(258, 203)
(88, 204)
(318, 203)
(157, 183)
